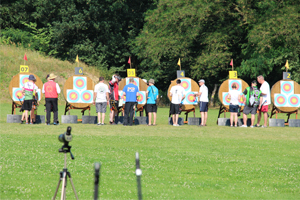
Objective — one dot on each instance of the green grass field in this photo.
(184, 162)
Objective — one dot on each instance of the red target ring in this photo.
(86, 96)
(280, 100)
(287, 87)
(237, 85)
(185, 84)
(73, 96)
(25, 80)
(191, 98)
(294, 100)
(19, 94)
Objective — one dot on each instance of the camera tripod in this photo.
(65, 174)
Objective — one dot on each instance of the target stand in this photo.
(78, 92)
(189, 102)
(224, 91)
(285, 95)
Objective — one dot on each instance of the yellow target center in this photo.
(294, 100)
(280, 100)
(86, 96)
(79, 82)
(287, 87)
(184, 84)
(73, 96)
(19, 94)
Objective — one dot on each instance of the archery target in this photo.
(79, 83)
(141, 99)
(136, 81)
(294, 100)
(17, 94)
(280, 100)
(226, 100)
(238, 85)
(23, 79)
(122, 96)
(73, 96)
(242, 99)
(190, 99)
(186, 84)
(287, 87)
(87, 96)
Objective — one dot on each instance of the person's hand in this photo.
(107, 103)
(94, 102)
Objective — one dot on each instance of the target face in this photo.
(87, 96)
(294, 100)
(186, 84)
(280, 100)
(122, 96)
(226, 100)
(17, 94)
(190, 99)
(23, 79)
(136, 81)
(141, 99)
(238, 84)
(73, 96)
(287, 87)
(79, 83)
(242, 99)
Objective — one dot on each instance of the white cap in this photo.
(201, 80)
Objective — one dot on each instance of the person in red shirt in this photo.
(114, 97)
(51, 90)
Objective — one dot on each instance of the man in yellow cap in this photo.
(51, 90)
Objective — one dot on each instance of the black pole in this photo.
(97, 175)
(138, 173)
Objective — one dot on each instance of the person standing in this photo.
(29, 90)
(203, 104)
(234, 96)
(252, 102)
(265, 92)
(152, 94)
(114, 97)
(51, 90)
(101, 100)
(177, 93)
(131, 92)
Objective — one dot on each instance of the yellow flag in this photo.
(77, 59)
(287, 64)
(178, 63)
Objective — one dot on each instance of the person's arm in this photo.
(107, 98)
(57, 88)
(260, 102)
(43, 90)
(94, 99)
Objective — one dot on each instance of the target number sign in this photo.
(232, 74)
(130, 72)
(24, 68)
(78, 71)
(180, 73)
(286, 75)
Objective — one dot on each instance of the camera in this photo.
(66, 137)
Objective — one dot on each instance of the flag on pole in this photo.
(287, 64)
(77, 59)
(231, 63)
(178, 63)
(129, 61)
(25, 57)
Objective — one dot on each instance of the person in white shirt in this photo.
(234, 96)
(203, 104)
(177, 93)
(265, 93)
(101, 98)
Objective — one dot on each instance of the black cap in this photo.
(254, 81)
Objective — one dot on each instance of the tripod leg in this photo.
(69, 174)
(59, 181)
(64, 185)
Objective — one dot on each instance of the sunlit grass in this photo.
(185, 162)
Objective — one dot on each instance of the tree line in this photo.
(259, 35)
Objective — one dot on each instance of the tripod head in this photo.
(66, 138)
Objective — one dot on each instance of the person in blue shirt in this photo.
(131, 92)
(152, 93)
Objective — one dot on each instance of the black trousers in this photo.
(129, 110)
(51, 105)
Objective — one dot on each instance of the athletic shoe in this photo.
(251, 126)
(102, 124)
(257, 125)
(54, 123)
(31, 123)
(48, 123)
(174, 124)
(99, 124)
(26, 122)
(231, 126)
(264, 126)
(22, 121)
(200, 125)
(243, 126)
(177, 125)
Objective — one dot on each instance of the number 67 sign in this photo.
(24, 68)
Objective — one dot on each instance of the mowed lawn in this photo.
(186, 162)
